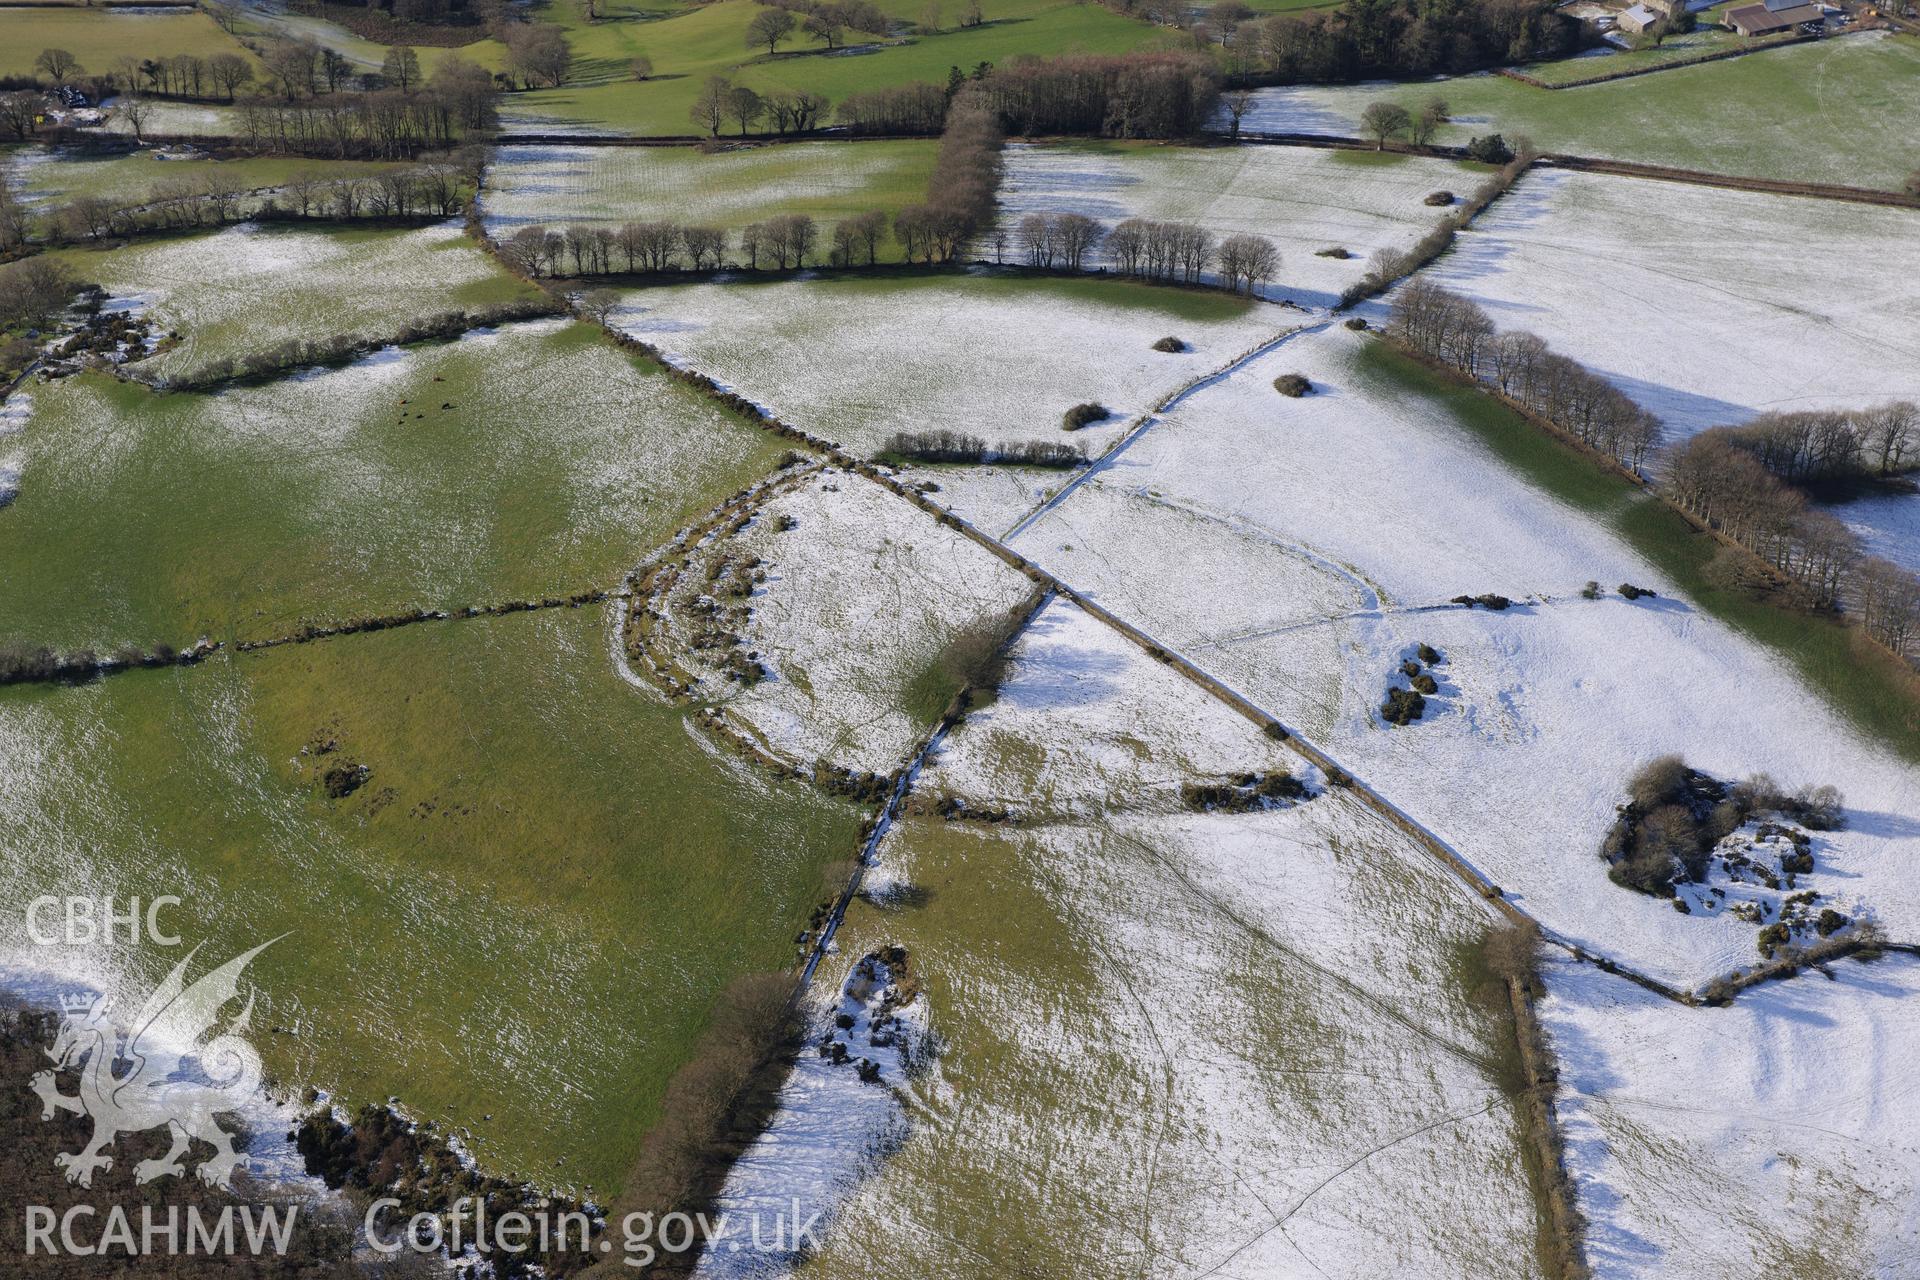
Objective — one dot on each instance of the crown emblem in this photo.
(76, 1001)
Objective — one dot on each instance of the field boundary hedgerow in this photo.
(1600, 164)
(24, 664)
(1694, 60)
(294, 356)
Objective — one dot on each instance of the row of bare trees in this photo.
(1388, 267)
(1729, 478)
(1812, 445)
(1457, 331)
(655, 246)
(210, 200)
(826, 21)
(1391, 39)
(1719, 482)
(457, 105)
(784, 111)
(782, 242)
(910, 109)
(961, 188)
(1143, 248)
(1048, 240)
(1132, 95)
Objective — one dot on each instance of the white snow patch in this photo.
(1296, 548)
(1301, 199)
(1780, 1128)
(1764, 302)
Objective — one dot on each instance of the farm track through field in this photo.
(1153, 415)
(1471, 877)
(1543, 1134)
(1545, 1137)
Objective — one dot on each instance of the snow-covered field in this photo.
(1776, 1136)
(855, 594)
(1302, 549)
(858, 360)
(995, 496)
(249, 287)
(1328, 111)
(1302, 200)
(178, 119)
(1717, 304)
(569, 185)
(1169, 1042)
(517, 117)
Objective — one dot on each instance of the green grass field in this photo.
(243, 289)
(1704, 40)
(537, 460)
(1876, 694)
(518, 924)
(1812, 112)
(827, 180)
(688, 47)
(99, 38)
(364, 54)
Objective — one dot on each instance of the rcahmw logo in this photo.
(160, 1067)
(83, 1231)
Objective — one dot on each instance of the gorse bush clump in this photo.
(946, 445)
(1403, 706)
(1084, 415)
(1675, 815)
(345, 348)
(1245, 792)
(1489, 148)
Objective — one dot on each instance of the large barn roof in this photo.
(1766, 16)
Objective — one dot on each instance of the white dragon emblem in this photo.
(151, 1091)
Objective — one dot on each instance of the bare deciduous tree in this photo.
(709, 109)
(1385, 121)
(59, 64)
(136, 111)
(769, 27)
(745, 107)
(705, 246)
